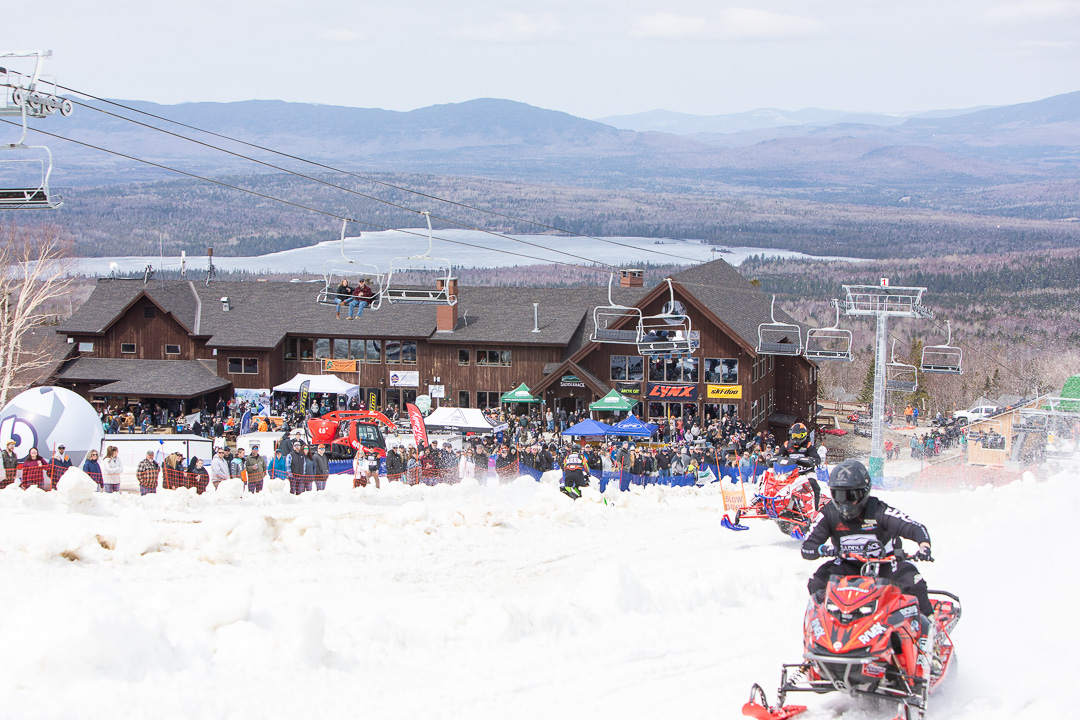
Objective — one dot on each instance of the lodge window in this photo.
(684, 370)
(127, 348)
(299, 348)
(243, 366)
(463, 397)
(772, 363)
(500, 358)
(463, 359)
(86, 347)
(149, 311)
(755, 411)
(322, 348)
(772, 401)
(400, 352)
(341, 349)
(759, 367)
(656, 369)
(487, 399)
(724, 371)
(172, 349)
(628, 367)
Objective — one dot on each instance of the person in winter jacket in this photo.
(299, 477)
(33, 470)
(322, 466)
(799, 444)
(197, 476)
(92, 468)
(856, 521)
(111, 469)
(61, 461)
(255, 470)
(147, 474)
(11, 464)
(277, 467)
(219, 467)
(575, 474)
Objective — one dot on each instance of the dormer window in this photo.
(149, 311)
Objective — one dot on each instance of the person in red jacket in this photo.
(33, 470)
(363, 296)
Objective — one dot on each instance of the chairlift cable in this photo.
(367, 179)
(596, 267)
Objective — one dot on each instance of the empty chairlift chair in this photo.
(900, 377)
(25, 169)
(830, 343)
(605, 317)
(336, 270)
(943, 359)
(668, 333)
(395, 291)
(777, 338)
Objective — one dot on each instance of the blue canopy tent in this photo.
(587, 428)
(631, 426)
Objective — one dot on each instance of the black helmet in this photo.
(849, 485)
(798, 433)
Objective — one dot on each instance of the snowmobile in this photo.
(865, 637)
(789, 503)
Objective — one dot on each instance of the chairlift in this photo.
(775, 338)
(943, 359)
(829, 343)
(605, 316)
(27, 98)
(395, 292)
(334, 271)
(900, 377)
(668, 333)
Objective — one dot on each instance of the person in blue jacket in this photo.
(92, 468)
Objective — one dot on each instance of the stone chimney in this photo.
(446, 315)
(631, 278)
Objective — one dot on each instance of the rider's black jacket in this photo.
(879, 521)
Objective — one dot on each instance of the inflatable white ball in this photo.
(45, 417)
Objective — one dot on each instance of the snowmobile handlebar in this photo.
(861, 558)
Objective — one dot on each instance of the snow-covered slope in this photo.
(479, 601)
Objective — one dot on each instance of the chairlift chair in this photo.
(900, 377)
(829, 343)
(29, 96)
(395, 292)
(943, 359)
(775, 338)
(668, 333)
(335, 270)
(26, 190)
(605, 316)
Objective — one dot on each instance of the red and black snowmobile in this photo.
(784, 499)
(865, 637)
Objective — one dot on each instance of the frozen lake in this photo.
(463, 248)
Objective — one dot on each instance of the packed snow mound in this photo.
(483, 600)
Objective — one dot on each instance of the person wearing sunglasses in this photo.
(854, 521)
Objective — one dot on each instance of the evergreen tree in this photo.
(921, 396)
(866, 395)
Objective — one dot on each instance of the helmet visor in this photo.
(848, 496)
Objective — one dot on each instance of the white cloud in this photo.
(729, 25)
(1033, 11)
(512, 28)
(342, 36)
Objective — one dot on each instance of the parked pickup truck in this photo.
(966, 417)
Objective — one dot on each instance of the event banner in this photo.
(405, 378)
(631, 390)
(339, 365)
(436, 391)
(372, 400)
(723, 392)
(304, 396)
(657, 391)
(416, 419)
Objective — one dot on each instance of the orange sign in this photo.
(339, 365)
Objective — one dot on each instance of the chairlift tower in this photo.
(883, 301)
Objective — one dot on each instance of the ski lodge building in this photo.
(189, 344)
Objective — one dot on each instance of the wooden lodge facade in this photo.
(194, 343)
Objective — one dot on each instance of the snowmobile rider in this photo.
(855, 518)
(575, 474)
(799, 443)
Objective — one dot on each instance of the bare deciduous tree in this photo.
(33, 275)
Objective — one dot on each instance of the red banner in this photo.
(417, 421)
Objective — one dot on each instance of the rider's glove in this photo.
(826, 550)
(924, 553)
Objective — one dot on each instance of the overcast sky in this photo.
(591, 58)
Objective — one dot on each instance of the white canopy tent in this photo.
(462, 420)
(319, 384)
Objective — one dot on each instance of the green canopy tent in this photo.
(614, 400)
(520, 394)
